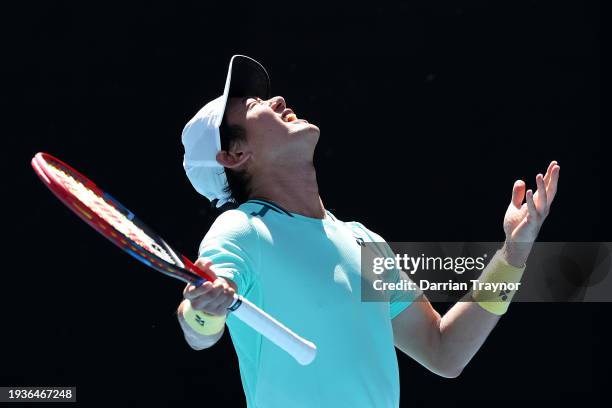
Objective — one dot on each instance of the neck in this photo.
(295, 189)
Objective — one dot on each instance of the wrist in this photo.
(516, 253)
(200, 322)
(196, 340)
(497, 284)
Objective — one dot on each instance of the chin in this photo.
(306, 136)
(305, 128)
(314, 127)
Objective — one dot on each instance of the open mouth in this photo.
(292, 118)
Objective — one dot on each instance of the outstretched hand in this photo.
(523, 220)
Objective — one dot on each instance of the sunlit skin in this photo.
(278, 154)
(275, 135)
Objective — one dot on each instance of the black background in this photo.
(428, 113)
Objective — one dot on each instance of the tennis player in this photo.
(283, 250)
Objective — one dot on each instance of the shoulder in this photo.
(235, 226)
(231, 222)
(363, 232)
(370, 239)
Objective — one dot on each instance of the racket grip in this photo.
(301, 349)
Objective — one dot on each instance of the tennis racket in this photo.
(111, 219)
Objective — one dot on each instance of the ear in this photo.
(232, 159)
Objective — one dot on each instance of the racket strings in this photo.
(110, 214)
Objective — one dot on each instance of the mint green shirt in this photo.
(306, 273)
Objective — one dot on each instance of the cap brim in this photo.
(245, 77)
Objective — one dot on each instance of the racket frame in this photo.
(184, 269)
(301, 349)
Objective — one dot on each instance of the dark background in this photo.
(428, 113)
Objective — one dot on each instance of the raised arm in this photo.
(446, 344)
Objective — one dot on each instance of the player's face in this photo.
(274, 132)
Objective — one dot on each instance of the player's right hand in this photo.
(211, 297)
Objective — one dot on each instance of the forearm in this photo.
(463, 329)
(196, 340)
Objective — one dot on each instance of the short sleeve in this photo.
(398, 299)
(232, 245)
(401, 299)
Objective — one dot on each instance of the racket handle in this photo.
(301, 349)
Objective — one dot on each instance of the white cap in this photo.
(201, 137)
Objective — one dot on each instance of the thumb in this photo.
(205, 265)
(518, 193)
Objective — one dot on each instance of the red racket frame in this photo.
(187, 272)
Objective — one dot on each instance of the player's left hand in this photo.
(523, 221)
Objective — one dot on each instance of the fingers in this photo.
(192, 292)
(546, 190)
(550, 180)
(548, 173)
(551, 187)
(219, 305)
(542, 201)
(203, 263)
(518, 193)
(531, 207)
(212, 298)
